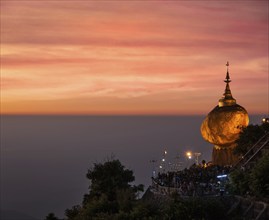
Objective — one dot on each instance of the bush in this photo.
(259, 178)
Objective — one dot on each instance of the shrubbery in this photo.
(112, 197)
(249, 136)
(253, 183)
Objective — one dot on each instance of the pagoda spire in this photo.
(227, 79)
(227, 98)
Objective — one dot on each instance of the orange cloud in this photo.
(132, 57)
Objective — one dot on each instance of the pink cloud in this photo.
(134, 50)
(18, 62)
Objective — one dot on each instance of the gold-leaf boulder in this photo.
(223, 124)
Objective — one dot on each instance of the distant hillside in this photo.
(15, 215)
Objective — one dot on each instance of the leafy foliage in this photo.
(259, 178)
(239, 182)
(51, 216)
(196, 208)
(255, 182)
(249, 136)
(108, 177)
(73, 212)
(111, 196)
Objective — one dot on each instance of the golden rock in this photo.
(223, 125)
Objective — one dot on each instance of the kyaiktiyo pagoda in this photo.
(222, 126)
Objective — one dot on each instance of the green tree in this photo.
(195, 208)
(249, 136)
(108, 178)
(73, 213)
(259, 178)
(239, 182)
(254, 182)
(51, 216)
(111, 196)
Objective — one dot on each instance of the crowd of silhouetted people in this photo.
(198, 180)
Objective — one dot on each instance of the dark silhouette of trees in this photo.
(249, 136)
(51, 216)
(111, 196)
(255, 182)
(195, 208)
(74, 212)
(259, 178)
(239, 182)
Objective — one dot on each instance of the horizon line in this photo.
(110, 115)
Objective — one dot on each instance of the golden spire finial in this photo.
(227, 79)
(227, 98)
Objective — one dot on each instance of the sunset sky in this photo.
(132, 57)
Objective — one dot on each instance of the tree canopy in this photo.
(111, 196)
(51, 216)
(255, 182)
(249, 136)
(259, 178)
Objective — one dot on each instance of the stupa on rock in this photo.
(222, 126)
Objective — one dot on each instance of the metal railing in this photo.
(253, 156)
(252, 149)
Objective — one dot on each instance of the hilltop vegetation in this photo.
(255, 182)
(113, 196)
(249, 136)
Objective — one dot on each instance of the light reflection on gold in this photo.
(222, 126)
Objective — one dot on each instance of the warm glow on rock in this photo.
(223, 125)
